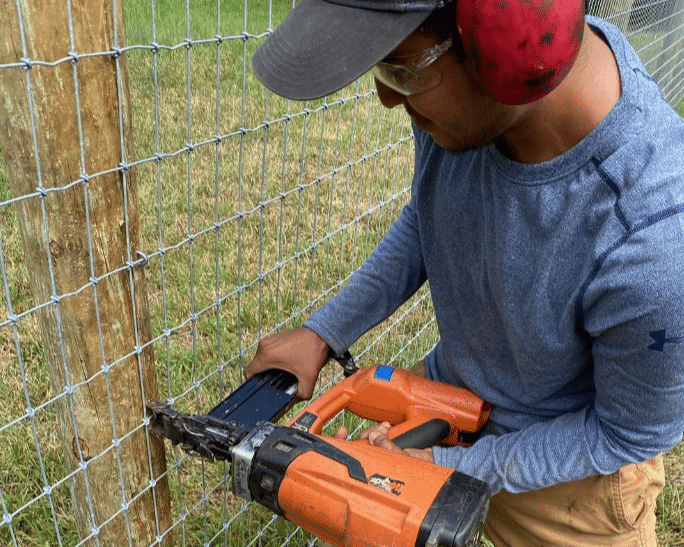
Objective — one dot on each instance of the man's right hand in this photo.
(299, 351)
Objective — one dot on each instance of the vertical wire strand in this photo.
(262, 213)
(68, 390)
(125, 177)
(281, 221)
(7, 518)
(239, 288)
(220, 361)
(84, 175)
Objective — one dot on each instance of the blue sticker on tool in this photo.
(384, 372)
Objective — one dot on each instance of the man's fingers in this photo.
(382, 428)
(341, 433)
(380, 439)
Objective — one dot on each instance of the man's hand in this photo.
(299, 351)
(377, 436)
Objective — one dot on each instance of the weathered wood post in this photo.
(61, 126)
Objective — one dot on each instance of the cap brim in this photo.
(321, 47)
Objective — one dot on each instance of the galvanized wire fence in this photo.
(249, 212)
(654, 27)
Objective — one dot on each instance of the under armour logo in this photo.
(661, 339)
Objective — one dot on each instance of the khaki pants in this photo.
(613, 510)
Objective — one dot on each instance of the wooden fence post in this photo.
(80, 231)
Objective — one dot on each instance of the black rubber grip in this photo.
(426, 434)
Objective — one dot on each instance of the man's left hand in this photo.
(377, 436)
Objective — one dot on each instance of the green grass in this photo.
(277, 193)
(670, 508)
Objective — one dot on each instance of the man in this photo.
(551, 230)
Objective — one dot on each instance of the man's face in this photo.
(458, 113)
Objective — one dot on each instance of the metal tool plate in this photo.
(263, 398)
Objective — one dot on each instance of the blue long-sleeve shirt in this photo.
(558, 290)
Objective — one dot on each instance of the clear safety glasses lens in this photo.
(412, 77)
(404, 81)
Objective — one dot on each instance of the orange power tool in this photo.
(350, 493)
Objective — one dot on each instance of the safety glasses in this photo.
(408, 76)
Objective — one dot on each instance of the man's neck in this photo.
(559, 121)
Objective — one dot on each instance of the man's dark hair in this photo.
(442, 24)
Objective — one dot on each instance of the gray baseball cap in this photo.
(324, 45)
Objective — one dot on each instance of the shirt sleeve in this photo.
(388, 278)
(632, 308)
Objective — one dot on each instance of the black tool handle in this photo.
(424, 435)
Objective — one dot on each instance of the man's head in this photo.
(519, 49)
(453, 106)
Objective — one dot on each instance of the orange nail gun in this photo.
(349, 493)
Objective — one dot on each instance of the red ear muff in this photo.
(521, 49)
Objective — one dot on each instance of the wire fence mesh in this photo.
(252, 211)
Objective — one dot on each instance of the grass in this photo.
(245, 234)
(670, 508)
